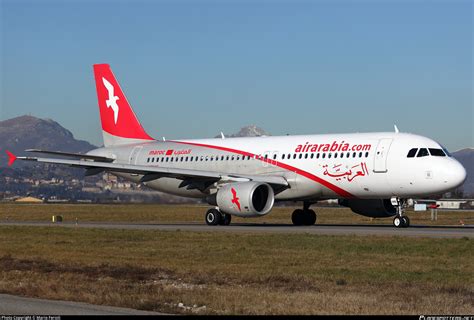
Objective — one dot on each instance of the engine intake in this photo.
(245, 199)
(374, 208)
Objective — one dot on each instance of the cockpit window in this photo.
(437, 152)
(422, 153)
(446, 151)
(412, 153)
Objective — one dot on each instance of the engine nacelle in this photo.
(374, 208)
(245, 199)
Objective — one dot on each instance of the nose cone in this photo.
(457, 174)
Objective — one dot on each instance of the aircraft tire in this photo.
(225, 219)
(309, 218)
(298, 217)
(213, 217)
(398, 222)
(406, 222)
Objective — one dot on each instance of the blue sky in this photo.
(195, 68)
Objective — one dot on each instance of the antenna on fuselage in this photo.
(396, 128)
(222, 135)
(164, 139)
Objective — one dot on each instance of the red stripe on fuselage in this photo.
(303, 173)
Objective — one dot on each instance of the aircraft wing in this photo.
(199, 179)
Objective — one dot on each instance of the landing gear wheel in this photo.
(225, 219)
(213, 217)
(406, 221)
(309, 217)
(298, 217)
(398, 222)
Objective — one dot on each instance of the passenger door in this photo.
(381, 153)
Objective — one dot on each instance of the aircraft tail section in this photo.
(119, 123)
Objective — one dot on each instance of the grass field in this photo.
(188, 213)
(232, 273)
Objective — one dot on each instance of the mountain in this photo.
(248, 131)
(28, 132)
(466, 157)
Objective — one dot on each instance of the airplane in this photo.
(374, 174)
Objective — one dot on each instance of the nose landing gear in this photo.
(400, 220)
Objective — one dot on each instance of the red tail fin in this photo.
(119, 123)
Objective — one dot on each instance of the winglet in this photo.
(11, 158)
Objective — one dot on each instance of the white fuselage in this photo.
(358, 165)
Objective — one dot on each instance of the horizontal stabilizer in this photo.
(72, 155)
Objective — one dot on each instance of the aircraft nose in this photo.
(457, 174)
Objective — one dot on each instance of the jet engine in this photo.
(245, 199)
(375, 208)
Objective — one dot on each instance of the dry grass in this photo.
(239, 273)
(150, 213)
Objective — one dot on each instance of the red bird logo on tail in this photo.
(235, 199)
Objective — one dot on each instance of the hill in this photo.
(26, 132)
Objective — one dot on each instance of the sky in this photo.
(191, 69)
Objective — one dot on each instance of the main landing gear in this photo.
(214, 217)
(305, 217)
(400, 220)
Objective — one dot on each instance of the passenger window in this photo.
(312, 155)
(422, 153)
(366, 154)
(324, 155)
(360, 154)
(437, 152)
(354, 155)
(294, 156)
(348, 155)
(317, 156)
(412, 153)
(335, 155)
(329, 155)
(301, 155)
